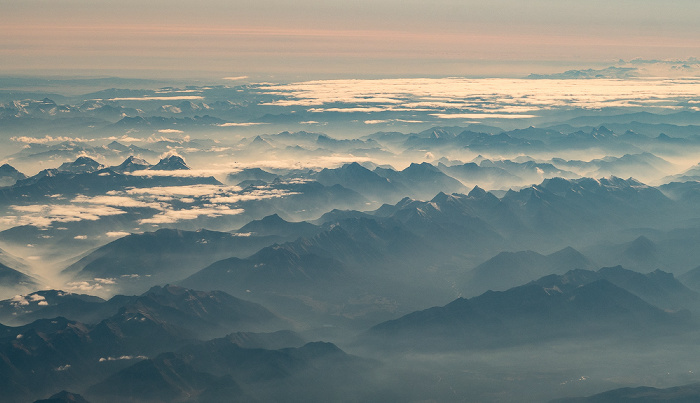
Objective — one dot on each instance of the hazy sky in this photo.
(314, 39)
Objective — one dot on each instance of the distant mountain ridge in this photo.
(538, 311)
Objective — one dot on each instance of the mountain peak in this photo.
(171, 163)
(132, 164)
(81, 165)
(273, 219)
(64, 397)
(440, 197)
(422, 166)
(8, 171)
(477, 192)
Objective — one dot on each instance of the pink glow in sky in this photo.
(305, 39)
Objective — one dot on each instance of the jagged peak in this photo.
(477, 192)
(170, 163)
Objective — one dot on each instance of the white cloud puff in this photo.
(117, 234)
(172, 216)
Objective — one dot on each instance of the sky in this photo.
(307, 39)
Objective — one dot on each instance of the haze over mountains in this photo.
(321, 241)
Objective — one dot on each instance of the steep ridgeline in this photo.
(349, 267)
(89, 178)
(221, 370)
(555, 210)
(677, 394)
(275, 226)
(52, 354)
(9, 175)
(10, 278)
(579, 304)
(45, 304)
(421, 181)
(509, 269)
(139, 261)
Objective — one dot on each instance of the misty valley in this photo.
(417, 240)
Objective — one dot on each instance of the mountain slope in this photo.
(163, 255)
(49, 354)
(198, 372)
(678, 394)
(274, 225)
(508, 269)
(530, 313)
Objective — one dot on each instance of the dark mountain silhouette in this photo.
(274, 225)
(657, 288)
(209, 369)
(250, 174)
(473, 173)
(81, 165)
(10, 277)
(421, 180)
(63, 397)
(171, 163)
(47, 304)
(51, 182)
(9, 175)
(530, 313)
(131, 164)
(49, 354)
(644, 394)
(692, 278)
(360, 179)
(508, 269)
(163, 254)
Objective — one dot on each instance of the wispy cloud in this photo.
(147, 98)
(446, 98)
(48, 139)
(117, 234)
(173, 216)
(42, 215)
(241, 124)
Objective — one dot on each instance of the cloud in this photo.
(173, 216)
(170, 131)
(47, 139)
(37, 297)
(189, 190)
(117, 201)
(480, 116)
(446, 97)
(124, 138)
(117, 234)
(90, 285)
(19, 300)
(147, 98)
(83, 286)
(326, 161)
(42, 215)
(155, 139)
(123, 357)
(241, 124)
(237, 78)
(378, 121)
(80, 237)
(257, 194)
(190, 173)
